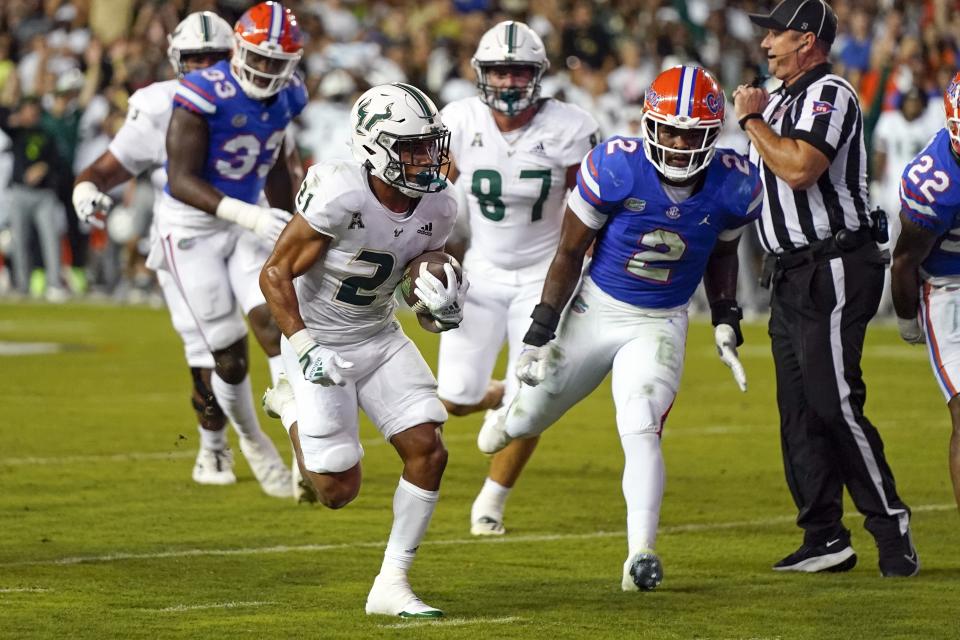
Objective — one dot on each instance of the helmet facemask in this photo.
(262, 73)
(513, 99)
(698, 155)
(416, 164)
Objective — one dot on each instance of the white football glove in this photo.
(726, 340)
(91, 205)
(911, 330)
(320, 365)
(531, 367)
(266, 222)
(444, 303)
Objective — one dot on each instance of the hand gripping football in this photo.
(431, 261)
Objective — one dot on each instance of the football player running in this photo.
(926, 261)
(663, 217)
(225, 135)
(200, 40)
(330, 284)
(516, 155)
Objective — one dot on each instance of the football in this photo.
(431, 261)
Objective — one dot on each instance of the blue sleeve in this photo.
(297, 92)
(605, 177)
(917, 205)
(742, 189)
(196, 94)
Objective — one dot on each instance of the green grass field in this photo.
(103, 534)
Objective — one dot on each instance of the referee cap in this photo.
(810, 16)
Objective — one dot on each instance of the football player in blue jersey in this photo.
(225, 135)
(925, 275)
(664, 211)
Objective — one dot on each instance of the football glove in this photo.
(266, 222)
(443, 302)
(319, 365)
(726, 339)
(91, 205)
(911, 330)
(531, 365)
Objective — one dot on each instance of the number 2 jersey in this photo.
(650, 251)
(348, 296)
(245, 135)
(515, 181)
(930, 198)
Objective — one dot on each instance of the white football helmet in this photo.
(199, 32)
(510, 43)
(397, 129)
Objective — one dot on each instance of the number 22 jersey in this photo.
(650, 251)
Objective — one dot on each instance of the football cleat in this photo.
(487, 526)
(214, 466)
(642, 571)
(493, 434)
(267, 467)
(392, 596)
(277, 397)
(834, 555)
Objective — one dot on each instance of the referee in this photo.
(827, 276)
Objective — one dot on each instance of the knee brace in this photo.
(203, 400)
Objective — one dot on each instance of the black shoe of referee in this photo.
(898, 557)
(834, 554)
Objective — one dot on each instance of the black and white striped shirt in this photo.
(822, 109)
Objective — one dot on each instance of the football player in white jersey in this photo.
(516, 155)
(330, 284)
(200, 40)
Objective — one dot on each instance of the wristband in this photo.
(544, 326)
(729, 313)
(302, 342)
(747, 118)
(238, 211)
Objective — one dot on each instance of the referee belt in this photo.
(825, 249)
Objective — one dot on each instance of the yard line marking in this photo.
(449, 622)
(216, 605)
(25, 590)
(550, 537)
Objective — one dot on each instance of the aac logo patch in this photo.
(819, 107)
(673, 212)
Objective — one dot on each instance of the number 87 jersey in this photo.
(651, 251)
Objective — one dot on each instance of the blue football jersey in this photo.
(650, 251)
(245, 134)
(930, 197)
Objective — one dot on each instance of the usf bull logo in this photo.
(366, 120)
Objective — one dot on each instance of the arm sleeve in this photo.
(823, 114)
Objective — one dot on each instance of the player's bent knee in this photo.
(335, 458)
(231, 363)
(337, 495)
(455, 409)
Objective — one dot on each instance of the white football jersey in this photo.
(141, 143)
(515, 182)
(348, 296)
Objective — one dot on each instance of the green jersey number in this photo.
(487, 187)
(350, 289)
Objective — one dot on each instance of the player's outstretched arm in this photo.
(187, 140)
(720, 282)
(913, 246)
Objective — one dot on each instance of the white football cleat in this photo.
(267, 466)
(487, 526)
(493, 434)
(642, 571)
(277, 397)
(214, 466)
(392, 596)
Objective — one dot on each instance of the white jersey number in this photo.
(656, 241)
(487, 187)
(246, 151)
(937, 184)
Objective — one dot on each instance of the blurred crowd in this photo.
(67, 68)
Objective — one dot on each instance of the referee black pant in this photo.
(818, 320)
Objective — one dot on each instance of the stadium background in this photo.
(102, 534)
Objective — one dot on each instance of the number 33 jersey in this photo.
(930, 198)
(348, 296)
(515, 181)
(651, 251)
(245, 135)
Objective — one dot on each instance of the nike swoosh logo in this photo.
(912, 558)
(833, 542)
